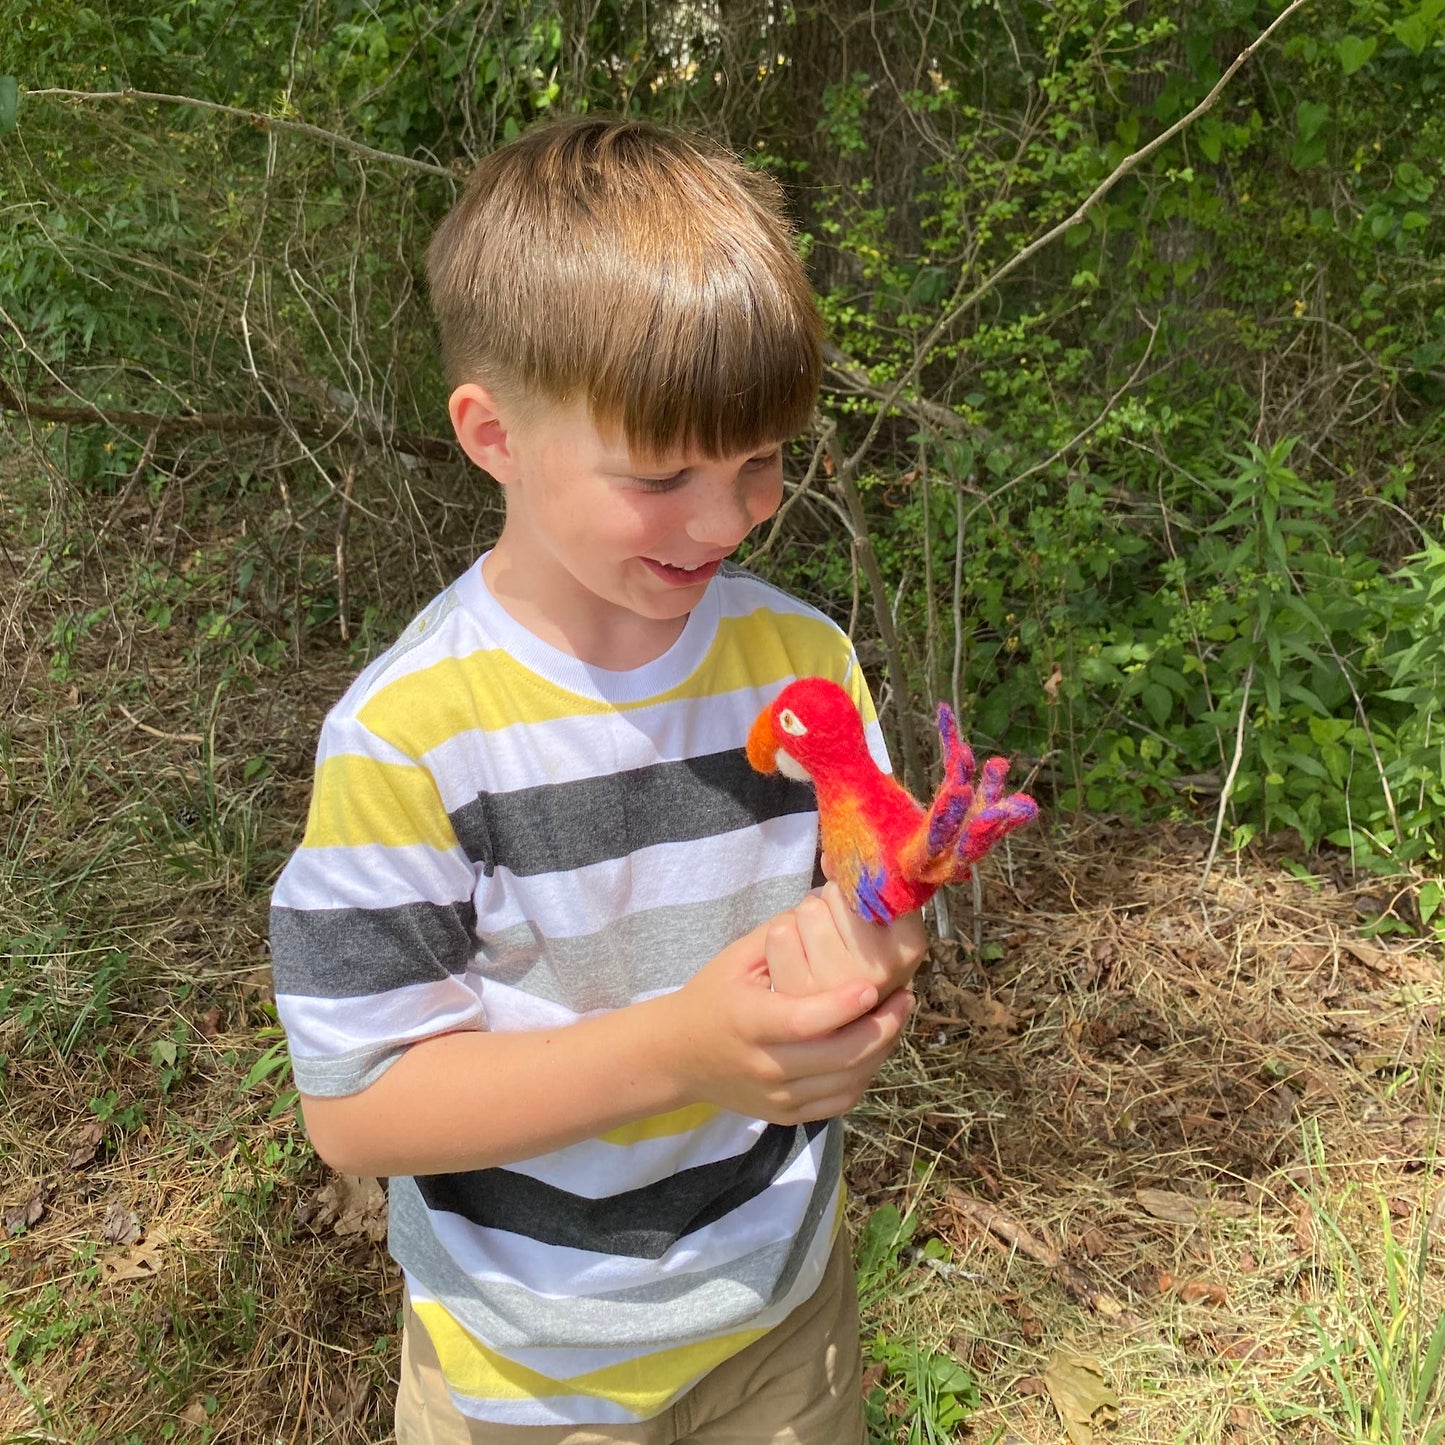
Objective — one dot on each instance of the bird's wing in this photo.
(857, 855)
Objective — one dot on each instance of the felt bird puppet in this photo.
(889, 854)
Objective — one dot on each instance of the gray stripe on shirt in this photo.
(556, 827)
(350, 952)
(641, 953)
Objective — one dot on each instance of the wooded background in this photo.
(1130, 445)
(1132, 449)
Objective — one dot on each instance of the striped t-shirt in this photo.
(503, 837)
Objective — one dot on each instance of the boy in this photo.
(523, 954)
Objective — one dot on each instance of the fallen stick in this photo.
(1073, 1279)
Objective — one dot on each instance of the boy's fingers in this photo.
(800, 1020)
(826, 864)
(787, 960)
(854, 1052)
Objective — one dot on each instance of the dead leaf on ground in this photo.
(981, 1010)
(1304, 1226)
(346, 1398)
(352, 1204)
(85, 1144)
(195, 1412)
(1203, 1291)
(121, 1225)
(1082, 1394)
(256, 985)
(141, 1261)
(1175, 1208)
(28, 1212)
(1375, 958)
(1242, 1348)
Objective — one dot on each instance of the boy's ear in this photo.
(481, 431)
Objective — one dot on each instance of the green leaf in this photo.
(1309, 117)
(1431, 892)
(1211, 140)
(1158, 701)
(273, 1061)
(1354, 52)
(9, 103)
(1413, 31)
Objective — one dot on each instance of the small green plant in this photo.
(924, 1394)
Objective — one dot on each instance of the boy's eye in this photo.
(757, 464)
(659, 484)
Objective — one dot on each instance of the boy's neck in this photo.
(571, 619)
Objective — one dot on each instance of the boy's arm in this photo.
(473, 1100)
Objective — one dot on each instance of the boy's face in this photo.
(600, 539)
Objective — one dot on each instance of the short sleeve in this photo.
(373, 919)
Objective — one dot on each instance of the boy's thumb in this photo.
(821, 1014)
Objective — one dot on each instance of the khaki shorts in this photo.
(800, 1384)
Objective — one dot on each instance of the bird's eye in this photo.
(791, 724)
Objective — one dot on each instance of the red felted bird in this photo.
(889, 853)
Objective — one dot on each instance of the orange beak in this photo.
(763, 743)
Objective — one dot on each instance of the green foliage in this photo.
(1190, 477)
(1378, 1367)
(1158, 527)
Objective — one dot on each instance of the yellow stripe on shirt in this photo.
(644, 1385)
(358, 800)
(662, 1126)
(489, 689)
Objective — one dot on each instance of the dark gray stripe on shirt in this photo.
(556, 827)
(674, 1309)
(348, 952)
(637, 1223)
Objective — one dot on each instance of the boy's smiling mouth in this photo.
(684, 576)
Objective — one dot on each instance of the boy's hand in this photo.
(823, 944)
(787, 1059)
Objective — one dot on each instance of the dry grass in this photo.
(1195, 1102)
(1153, 1127)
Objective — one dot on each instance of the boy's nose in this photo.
(731, 511)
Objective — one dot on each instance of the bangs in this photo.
(636, 270)
(719, 362)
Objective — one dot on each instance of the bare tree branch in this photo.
(958, 306)
(253, 117)
(227, 424)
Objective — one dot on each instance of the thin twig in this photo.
(147, 454)
(847, 484)
(253, 117)
(1008, 1229)
(342, 523)
(156, 732)
(827, 429)
(1228, 788)
(1074, 440)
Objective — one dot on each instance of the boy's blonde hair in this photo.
(640, 270)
